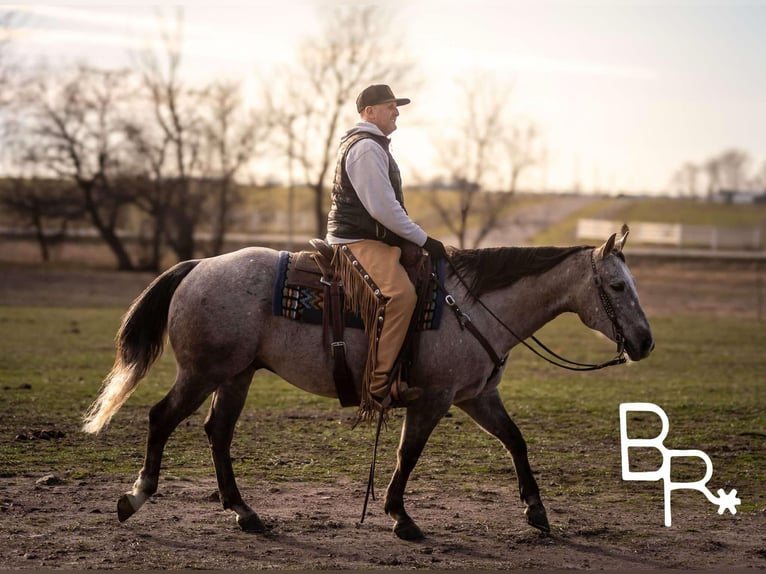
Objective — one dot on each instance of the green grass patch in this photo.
(564, 232)
(656, 210)
(707, 374)
(690, 212)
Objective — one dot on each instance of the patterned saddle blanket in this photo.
(299, 294)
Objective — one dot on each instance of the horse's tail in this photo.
(140, 341)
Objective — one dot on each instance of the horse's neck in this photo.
(533, 301)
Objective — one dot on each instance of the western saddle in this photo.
(419, 267)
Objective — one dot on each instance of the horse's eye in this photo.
(618, 285)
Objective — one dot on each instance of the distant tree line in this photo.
(729, 171)
(144, 151)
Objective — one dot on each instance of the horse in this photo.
(218, 315)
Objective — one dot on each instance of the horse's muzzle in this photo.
(640, 349)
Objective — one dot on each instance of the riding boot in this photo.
(393, 391)
(403, 394)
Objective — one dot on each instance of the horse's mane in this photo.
(495, 267)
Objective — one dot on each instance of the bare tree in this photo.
(727, 171)
(288, 139)
(231, 134)
(520, 150)
(6, 57)
(151, 192)
(759, 179)
(179, 123)
(74, 135)
(198, 141)
(734, 164)
(484, 160)
(10, 72)
(46, 205)
(354, 49)
(188, 150)
(686, 179)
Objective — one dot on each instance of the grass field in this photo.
(707, 373)
(303, 466)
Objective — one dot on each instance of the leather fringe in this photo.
(360, 298)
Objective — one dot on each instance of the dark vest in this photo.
(348, 218)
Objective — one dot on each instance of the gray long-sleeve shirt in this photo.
(367, 168)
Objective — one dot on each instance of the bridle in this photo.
(606, 304)
(465, 323)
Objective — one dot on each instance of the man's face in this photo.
(384, 116)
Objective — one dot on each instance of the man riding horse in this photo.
(368, 226)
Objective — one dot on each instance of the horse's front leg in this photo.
(489, 413)
(420, 420)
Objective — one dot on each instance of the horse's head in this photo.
(612, 301)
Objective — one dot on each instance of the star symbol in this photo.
(728, 501)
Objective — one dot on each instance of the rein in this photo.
(465, 322)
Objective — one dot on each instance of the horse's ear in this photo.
(621, 242)
(606, 248)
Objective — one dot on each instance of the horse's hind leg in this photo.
(184, 397)
(225, 409)
(489, 413)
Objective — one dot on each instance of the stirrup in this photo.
(399, 394)
(402, 393)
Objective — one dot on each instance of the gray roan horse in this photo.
(218, 314)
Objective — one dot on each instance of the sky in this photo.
(624, 91)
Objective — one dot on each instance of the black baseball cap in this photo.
(378, 94)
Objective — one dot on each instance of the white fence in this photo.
(675, 234)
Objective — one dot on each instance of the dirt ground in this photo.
(65, 523)
(73, 525)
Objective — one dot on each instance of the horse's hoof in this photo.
(125, 508)
(251, 523)
(537, 517)
(408, 530)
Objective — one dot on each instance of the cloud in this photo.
(114, 16)
(584, 68)
(502, 60)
